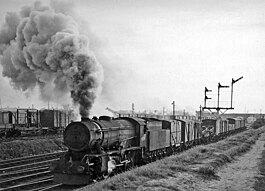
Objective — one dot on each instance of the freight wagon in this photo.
(17, 122)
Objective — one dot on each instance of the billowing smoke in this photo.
(42, 47)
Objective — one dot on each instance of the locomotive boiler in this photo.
(96, 148)
(105, 133)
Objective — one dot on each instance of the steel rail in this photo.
(48, 187)
(28, 158)
(24, 171)
(25, 166)
(28, 185)
(24, 177)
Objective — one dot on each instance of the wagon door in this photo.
(184, 131)
(191, 131)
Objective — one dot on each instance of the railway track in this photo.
(29, 173)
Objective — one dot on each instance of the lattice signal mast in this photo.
(218, 108)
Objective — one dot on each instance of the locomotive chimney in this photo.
(85, 119)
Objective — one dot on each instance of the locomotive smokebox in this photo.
(81, 135)
(85, 119)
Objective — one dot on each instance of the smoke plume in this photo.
(42, 47)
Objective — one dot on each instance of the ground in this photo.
(241, 174)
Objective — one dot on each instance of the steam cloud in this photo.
(42, 47)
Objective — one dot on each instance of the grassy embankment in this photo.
(21, 148)
(172, 172)
(260, 179)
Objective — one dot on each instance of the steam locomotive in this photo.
(98, 148)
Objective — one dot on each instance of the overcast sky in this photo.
(155, 52)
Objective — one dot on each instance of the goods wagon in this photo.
(53, 121)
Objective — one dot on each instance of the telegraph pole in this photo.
(132, 108)
(173, 103)
(200, 117)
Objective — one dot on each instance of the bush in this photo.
(258, 123)
(21, 148)
(206, 171)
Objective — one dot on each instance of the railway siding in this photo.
(28, 172)
(29, 159)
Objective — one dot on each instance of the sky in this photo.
(154, 52)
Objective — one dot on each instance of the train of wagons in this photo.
(100, 147)
(17, 122)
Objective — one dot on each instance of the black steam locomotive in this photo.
(100, 147)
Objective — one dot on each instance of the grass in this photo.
(260, 179)
(201, 161)
(235, 146)
(207, 170)
(258, 123)
(21, 148)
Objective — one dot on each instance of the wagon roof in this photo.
(236, 118)
(209, 119)
(185, 120)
